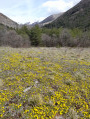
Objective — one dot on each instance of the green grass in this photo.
(44, 83)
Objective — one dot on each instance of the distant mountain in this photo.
(27, 23)
(7, 21)
(47, 20)
(50, 18)
(78, 16)
(35, 23)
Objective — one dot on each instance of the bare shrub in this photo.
(54, 40)
(46, 40)
(49, 41)
(84, 40)
(2, 33)
(26, 40)
(11, 38)
(65, 38)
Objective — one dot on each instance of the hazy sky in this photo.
(23, 11)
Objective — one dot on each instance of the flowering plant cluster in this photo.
(40, 83)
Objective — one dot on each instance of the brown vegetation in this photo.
(11, 38)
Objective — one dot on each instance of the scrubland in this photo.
(44, 83)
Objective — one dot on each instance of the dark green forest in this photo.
(76, 17)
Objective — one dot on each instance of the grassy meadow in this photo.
(44, 83)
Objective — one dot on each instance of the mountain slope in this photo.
(78, 16)
(50, 18)
(47, 20)
(7, 21)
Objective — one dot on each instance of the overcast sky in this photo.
(23, 11)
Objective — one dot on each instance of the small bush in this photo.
(35, 100)
(72, 114)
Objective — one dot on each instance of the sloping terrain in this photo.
(50, 18)
(47, 20)
(7, 21)
(78, 16)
